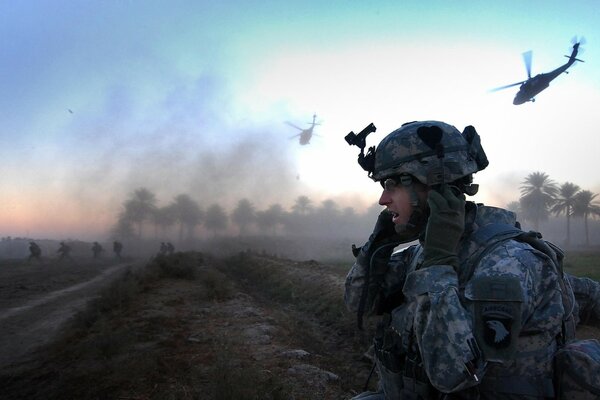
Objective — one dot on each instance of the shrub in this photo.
(179, 265)
(217, 285)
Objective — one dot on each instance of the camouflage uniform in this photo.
(97, 249)
(117, 248)
(64, 250)
(34, 251)
(442, 338)
(465, 315)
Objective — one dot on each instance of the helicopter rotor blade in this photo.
(527, 59)
(294, 126)
(579, 43)
(291, 137)
(506, 86)
(581, 40)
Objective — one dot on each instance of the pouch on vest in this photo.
(497, 311)
(577, 367)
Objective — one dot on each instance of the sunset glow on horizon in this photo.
(102, 98)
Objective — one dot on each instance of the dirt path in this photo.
(38, 310)
(201, 338)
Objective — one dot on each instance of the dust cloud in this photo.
(187, 141)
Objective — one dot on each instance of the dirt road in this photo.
(35, 300)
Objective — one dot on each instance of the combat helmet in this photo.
(433, 152)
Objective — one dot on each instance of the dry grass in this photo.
(170, 331)
(133, 342)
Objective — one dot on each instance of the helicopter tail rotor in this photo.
(313, 122)
(527, 59)
(581, 40)
(577, 49)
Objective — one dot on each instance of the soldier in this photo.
(64, 251)
(117, 248)
(170, 248)
(97, 249)
(34, 252)
(475, 309)
(163, 248)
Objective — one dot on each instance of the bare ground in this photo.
(212, 337)
(248, 327)
(36, 300)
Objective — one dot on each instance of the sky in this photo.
(98, 98)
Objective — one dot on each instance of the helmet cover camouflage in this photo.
(411, 149)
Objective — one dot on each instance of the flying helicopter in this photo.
(305, 134)
(533, 86)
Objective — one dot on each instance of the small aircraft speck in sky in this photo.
(533, 86)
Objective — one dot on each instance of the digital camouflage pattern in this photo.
(444, 321)
(578, 368)
(404, 151)
(587, 294)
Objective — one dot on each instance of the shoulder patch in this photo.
(497, 315)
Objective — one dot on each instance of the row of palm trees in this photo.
(542, 197)
(186, 214)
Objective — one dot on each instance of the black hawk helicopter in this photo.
(305, 134)
(533, 86)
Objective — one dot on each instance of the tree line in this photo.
(184, 217)
(142, 216)
(542, 197)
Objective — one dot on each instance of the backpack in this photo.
(577, 362)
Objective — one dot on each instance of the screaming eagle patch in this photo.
(497, 315)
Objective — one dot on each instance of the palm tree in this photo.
(329, 208)
(302, 205)
(188, 213)
(216, 219)
(164, 217)
(243, 215)
(585, 207)
(564, 204)
(140, 207)
(538, 193)
(514, 206)
(123, 228)
(270, 218)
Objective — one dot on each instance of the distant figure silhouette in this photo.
(163, 248)
(34, 252)
(97, 249)
(170, 248)
(64, 251)
(117, 248)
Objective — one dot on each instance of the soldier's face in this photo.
(397, 199)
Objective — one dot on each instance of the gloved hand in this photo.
(445, 227)
(384, 229)
(374, 257)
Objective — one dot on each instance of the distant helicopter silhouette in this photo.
(305, 134)
(533, 86)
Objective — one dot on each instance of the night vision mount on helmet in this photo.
(433, 152)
